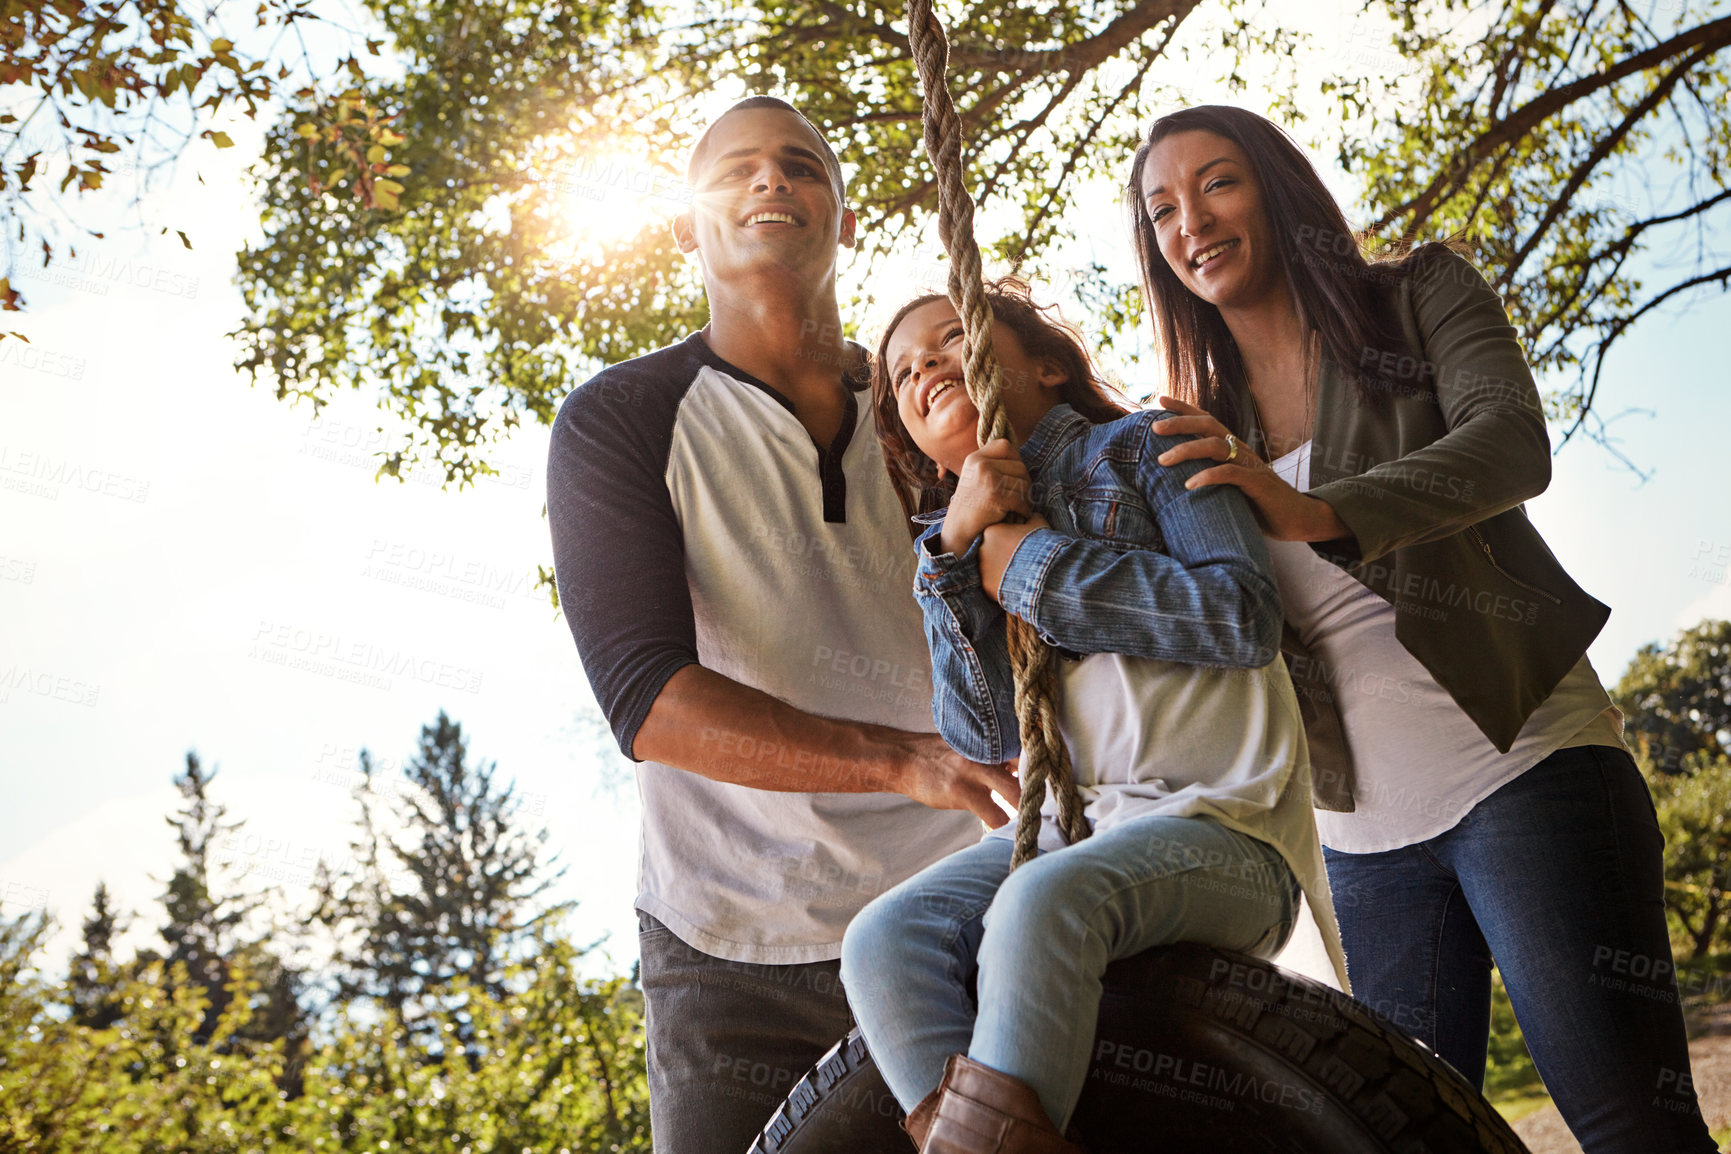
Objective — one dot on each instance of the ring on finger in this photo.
(1231, 447)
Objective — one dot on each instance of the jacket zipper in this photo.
(1489, 556)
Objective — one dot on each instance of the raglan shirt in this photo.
(695, 521)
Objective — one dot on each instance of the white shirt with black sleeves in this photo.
(694, 520)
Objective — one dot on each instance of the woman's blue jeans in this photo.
(1034, 943)
(1558, 876)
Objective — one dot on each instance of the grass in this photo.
(1512, 1083)
(1514, 1107)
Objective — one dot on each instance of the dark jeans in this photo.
(727, 1040)
(1558, 876)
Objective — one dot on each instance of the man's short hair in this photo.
(831, 165)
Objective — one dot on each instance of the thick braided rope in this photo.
(1032, 661)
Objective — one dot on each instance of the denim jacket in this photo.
(1175, 704)
(1133, 563)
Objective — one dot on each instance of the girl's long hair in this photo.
(1339, 294)
(1043, 334)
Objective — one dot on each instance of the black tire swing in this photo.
(1196, 1049)
(1201, 1051)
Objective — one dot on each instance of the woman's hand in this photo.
(1283, 512)
(993, 484)
(999, 546)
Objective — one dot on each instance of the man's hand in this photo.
(713, 726)
(993, 484)
(935, 775)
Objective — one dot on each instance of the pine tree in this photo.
(94, 976)
(202, 930)
(206, 933)
(448, 895)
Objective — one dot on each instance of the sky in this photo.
(187, 563)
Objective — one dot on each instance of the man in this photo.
(736, 571)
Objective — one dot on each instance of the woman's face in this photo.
(1208, 215)
(924, 356)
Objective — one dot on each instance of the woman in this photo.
(1483, 803)
(1183, 730)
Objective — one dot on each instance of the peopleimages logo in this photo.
(358, 447)
(447, 573)
(40, 360)
(44, 683)
(1170, 1074)
(94, 273)
(359, 662)
(42, 475)
(595, 177)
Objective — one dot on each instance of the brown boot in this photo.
(981, 1111)
(919, 1119)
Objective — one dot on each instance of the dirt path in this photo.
(1709, 1053)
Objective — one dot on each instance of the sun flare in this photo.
(599, 200)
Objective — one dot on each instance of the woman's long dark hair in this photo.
(1044, 335)
(1345, 298)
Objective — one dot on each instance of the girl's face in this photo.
(924, 355)
(1207, 210)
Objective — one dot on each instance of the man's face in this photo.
(764, 201)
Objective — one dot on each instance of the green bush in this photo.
(1694, 809)
(557, 1066)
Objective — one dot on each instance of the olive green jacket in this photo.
(1430, 481)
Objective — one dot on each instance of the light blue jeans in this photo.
(1033, 944)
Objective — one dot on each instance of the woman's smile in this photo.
(1211, 256)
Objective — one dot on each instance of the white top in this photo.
(1420, 763)
(1151, 737)
(762, 876)
(695, 520)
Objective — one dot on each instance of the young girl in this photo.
(1179, 719)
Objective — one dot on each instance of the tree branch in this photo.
(1711, 36)
(1605, 146)
(1081, 56)
(1622, 324)
(1509, 68)
(1075, 156)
